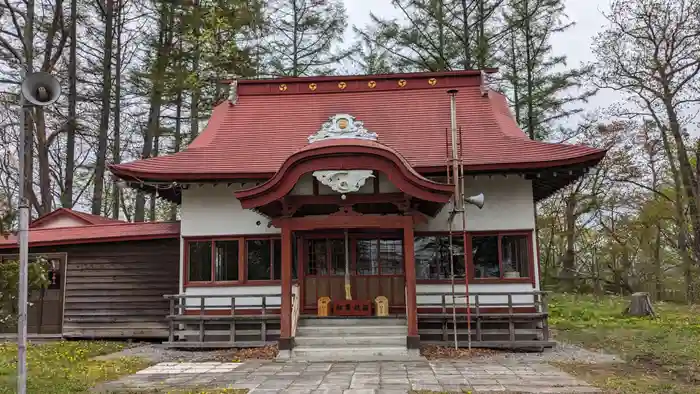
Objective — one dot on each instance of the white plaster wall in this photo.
(304, 187)
(508, 206)
(214, 210)
(224, 302)
(484, 300)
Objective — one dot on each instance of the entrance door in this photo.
(45, 312)
(376, 268)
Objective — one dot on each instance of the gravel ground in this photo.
(159, 354)
(563, 352)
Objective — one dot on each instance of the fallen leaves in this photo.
(435, 352)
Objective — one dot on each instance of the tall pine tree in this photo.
(538, 83)
(303, 37)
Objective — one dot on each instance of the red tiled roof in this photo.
(273, 119)
(86, 218)
(97, 233)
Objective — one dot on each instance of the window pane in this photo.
(337, 256)
(317, 263)
(390, 256)
(432, 256)
(199, 261)
(367, 259)
(277, 260)
(485, 253)
(226, 261)
(515, 255)
(259, 259)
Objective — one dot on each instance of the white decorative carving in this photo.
(342, 126)
(344, 181)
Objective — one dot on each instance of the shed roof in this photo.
(96, 233)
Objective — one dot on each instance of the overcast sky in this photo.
(575, 43)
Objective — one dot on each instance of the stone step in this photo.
(326, 331)
(376, 353)
(334, 321)
(354, 340)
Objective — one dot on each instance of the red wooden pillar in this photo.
(285, 341)
(413, 340)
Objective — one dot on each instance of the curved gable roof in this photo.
(273, 118)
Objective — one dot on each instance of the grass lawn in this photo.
(64, 367)
(663, 354)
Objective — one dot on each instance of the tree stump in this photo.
(640, 305)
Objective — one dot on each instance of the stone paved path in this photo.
(357, 378)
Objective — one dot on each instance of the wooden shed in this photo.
(107, 279)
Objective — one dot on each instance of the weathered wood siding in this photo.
(115, 290)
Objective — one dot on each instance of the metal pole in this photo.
(457, 204)
(23, 252)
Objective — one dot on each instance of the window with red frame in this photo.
(500, 256)
(235, 260)
(379, 257)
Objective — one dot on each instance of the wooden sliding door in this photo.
(376, 268)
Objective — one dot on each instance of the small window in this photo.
(515, 254)
(501, 256)
(199, 261)
(337, 257)
(259, 259)
(432, 255)
(226, 260)
(391, 256)
(317, 263)
(485, 255)
(367, 257)
(379, 257)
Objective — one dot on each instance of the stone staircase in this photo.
(352, 339)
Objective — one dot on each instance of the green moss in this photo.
(65, 367)
(663, 353)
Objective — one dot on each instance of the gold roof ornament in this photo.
(432, 81)
(402, 83)
(342, 126)
(283, 87)
(313, 86)
(342, 85)
(372, 84)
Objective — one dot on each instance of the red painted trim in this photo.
(500, 233)
(337, 78)
(341, 222)
(350, 199)
(528, 165)
(286, 307)
(96, 240)
(242, 260)
(360, 155)
(410, 272)
(482, 310)
(133, 174)
(194, 311)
